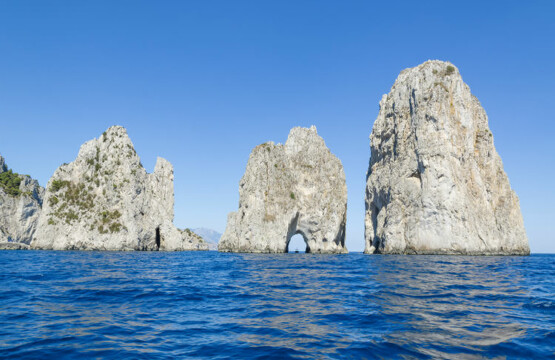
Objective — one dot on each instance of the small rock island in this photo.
(435, 184)
(20, 207)
(296, 188)
(105, 200)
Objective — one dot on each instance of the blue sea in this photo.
(157, 305)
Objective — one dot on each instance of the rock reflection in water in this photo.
(214, 305)
(290, 299)
(449, 304)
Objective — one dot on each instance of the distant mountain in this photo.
(210, 236)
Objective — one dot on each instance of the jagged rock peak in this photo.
(20, 206)
(105, 200)
(296, 188)
(435, 183)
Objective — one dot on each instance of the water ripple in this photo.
(290, 306)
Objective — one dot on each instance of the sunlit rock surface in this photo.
(20, 206)
(435, 183)
(105, 200)
(296, 188)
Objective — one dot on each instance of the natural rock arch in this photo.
(287, 189)
(296, 238)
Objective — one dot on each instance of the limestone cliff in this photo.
(436, 184)
(20, 207)
(105, 200)
(296, 188)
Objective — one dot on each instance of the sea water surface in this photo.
(157, 305)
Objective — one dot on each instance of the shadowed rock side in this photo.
(296, 188)
(435, 183)
(20, 207)
(105, 200)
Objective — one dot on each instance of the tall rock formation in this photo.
(20, 207)
(105, 200)
(435, 184)
(296, 188)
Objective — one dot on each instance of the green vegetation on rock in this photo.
(108, 222)
(193, 235)
(70, 204)
(10, 181)
(58, 184)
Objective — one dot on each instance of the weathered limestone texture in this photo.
(296, 188)
(20, 207)
(13, 246)
(105, 200)
(435, 184)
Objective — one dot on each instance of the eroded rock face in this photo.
(105, 200)
(435, 183)
(296, 188)
(20, 207)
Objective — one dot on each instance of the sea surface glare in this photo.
(157, 305)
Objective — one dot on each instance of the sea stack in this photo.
(105, 200)
(435, 183)
(296, 188)
(20, 208)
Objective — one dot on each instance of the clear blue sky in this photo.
(203, 82)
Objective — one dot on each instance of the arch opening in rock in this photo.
(158, 238)
(297, 244)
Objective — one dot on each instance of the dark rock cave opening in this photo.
(158, 238)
